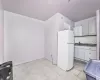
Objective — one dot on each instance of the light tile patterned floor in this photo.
(44, 70)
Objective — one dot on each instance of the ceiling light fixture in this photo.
(68, 0)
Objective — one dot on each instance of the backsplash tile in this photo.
(89, 39)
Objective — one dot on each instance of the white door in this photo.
(62, 52)
(70, 56)
(65, 56)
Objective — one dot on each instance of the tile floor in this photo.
(44, 70)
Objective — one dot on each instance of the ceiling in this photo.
(43, 9)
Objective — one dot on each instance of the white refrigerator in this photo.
(65, 49)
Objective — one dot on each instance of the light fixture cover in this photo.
(68, 0)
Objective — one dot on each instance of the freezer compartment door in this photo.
(67, 36)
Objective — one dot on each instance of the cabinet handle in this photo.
(89, 53)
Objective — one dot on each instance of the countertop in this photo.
(85, 44)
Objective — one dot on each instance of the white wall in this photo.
(1, 34)
(53, 25)
(23, 38)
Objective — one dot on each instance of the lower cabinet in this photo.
(93, 55)
(76, 52)
(85, 54)
(79, 53)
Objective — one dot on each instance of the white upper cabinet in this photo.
(88, 27)
(78, 31)
(92, 26)
(85, 27)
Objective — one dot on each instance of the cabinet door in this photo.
(93, 55)
(92, 26)
(75, 31)
(85, 27)
(87, 55)
(76, 52)
(81, 54)
(78, 31)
